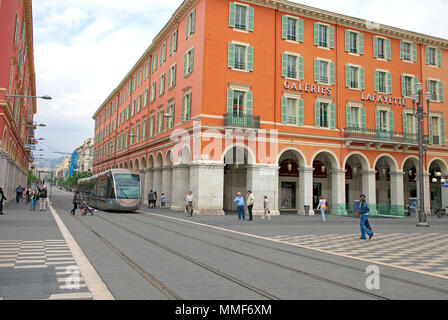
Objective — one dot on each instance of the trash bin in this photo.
(307, 210)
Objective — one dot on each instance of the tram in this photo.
(112, 190)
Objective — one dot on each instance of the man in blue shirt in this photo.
(239, 200)
(364, 212)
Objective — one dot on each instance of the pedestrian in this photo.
(239, 200)
(75, 202)
(364, 212)
(267, 212)
(189, 204)
(42, 197)
(150, 198)
(162, 200)
(33, 199)
(2, 198)
(250, 203)
(28, 194)
(322, 207)
(19, 191)
(155, 199)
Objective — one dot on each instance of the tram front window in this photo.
(127, 186)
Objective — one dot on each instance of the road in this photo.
(161, 254)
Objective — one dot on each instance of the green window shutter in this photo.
(284, 27)
(388, 50)
(361, 71)
(427, 55)
(390, 115)
(348, 117)
(348, 75)
(158, 122)
(439, 57)
(229, 101)
(332, 116)
(232, 13)
(347, 41)
(428, 83)
(250, 58)
(442, 131)
(405, 125)
(377, 120)
(231, 55)
(403, 85)
(185, 64)
(284, 64)
(301, 112)
(401, 50)
(363, 118)
(316, 114)
(376, 79)
(249, 103)
(440, 93)
(316, 70)
(361, 43)
(250, 25)
(301, 74)
(174, 76)
(332, 73)
(375, 47)
(187, 21)
(414, 84)
(175, 41)
(193, 20)
(430, 130)
(191, 60)
(316, 33)
(389, 82)
(189, 106)
(331, 35)
(300, 31)
(414, 52)
(284, 102)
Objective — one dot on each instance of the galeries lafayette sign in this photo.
(383, 99)
(307, 88)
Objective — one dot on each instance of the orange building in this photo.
(282, 99)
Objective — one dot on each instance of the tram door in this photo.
(317, 192)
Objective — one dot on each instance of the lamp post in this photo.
(417, 98)
(45, 97)
(168, 115)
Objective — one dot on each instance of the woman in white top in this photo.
(322, 206)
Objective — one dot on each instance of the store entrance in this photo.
(317, 192)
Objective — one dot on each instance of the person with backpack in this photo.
(364, 212)
(42, 197)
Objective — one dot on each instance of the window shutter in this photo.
(250, 25)
(175, 41)
(439, 57)
(361, 74)
(284, 27)
(331, 37)
(232, 13)
(316, 114)
(229, 101)
(361, 43)
(187, 23)
(377, 121)
(348, 117)
(185, 64)
(284, 64)
(332, 73)
(389, 82)
(405, 126)
(249, 102)
(403, 85)
(440, 93)
(189, 105)
(191, 61)
(316, 70)
(376, 80)
(332, 116)
(430, 130)
(231, 55)
(193, 21)
(428, 85)
(414, 52)
(301, 75)
(363, 119)
(375, 47)
(427, 55)
(401, 50)
(348, 75)
(284, 102)
(442, 131)
(301, 112)
(388, 50)
(174, 76)
(390, 115)
(300, 26)
(183, 108)
(347, 41)
(250, 58)
(316, 33)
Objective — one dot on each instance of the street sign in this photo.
(445, 185)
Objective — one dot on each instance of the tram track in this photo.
(278, 265)
(333, 263)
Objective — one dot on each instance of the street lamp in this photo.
(33, 124)
(168, 115)
(45, 97)
(417, 98)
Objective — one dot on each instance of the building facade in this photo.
(85, 156)
(16, 78)
(293, 102)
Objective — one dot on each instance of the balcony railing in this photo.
(243, 120)
(373, 135)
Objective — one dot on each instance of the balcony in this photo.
(382, 137)
(242, 120)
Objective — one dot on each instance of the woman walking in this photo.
(323, 207)
(2, 197)
(267, 212)
(34, 195)
(75, 202)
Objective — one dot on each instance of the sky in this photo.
(84, 48)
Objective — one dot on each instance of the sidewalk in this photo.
(35, 261)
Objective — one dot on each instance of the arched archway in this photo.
(356, 166)
(438, 173)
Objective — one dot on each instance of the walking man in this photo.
(250, 203)
(19, 192)
(150, 198)
(75, 202)
(42, 197)
(189, 204)
(239, 200)
(364, 212)
(2, 197)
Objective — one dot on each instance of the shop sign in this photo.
(307, 88)
(383, 99)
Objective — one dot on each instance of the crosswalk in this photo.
(44, 254)
(425, 252)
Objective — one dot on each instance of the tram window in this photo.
(127, 186)
(110, 188)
